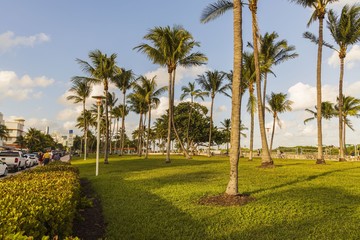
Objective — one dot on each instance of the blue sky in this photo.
(40, 40)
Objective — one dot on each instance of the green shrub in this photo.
(40, 202)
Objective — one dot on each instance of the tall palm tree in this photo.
(118, 113)
(327, 110)
(266, 157)
(345, 30)
(319, 13)
(212, 12)
(171, 47)
(226, 127)
(277, 104)
(194, 93)
(101, 69)
(213, 82)
(351, 107)
(111, 98)
(149, 88)
(124, 82)
(81, 90)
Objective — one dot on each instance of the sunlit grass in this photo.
(148, 199)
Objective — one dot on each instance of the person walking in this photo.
(47, 157)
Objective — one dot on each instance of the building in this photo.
(16, 129)
(2, 123)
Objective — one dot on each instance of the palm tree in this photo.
(193, 93)
(4, 132)
(213, 82)
(319, 13)
(266, 157)
(81, 90)
(351, 107)
(345, 31)
(124, 82)
(273, 53)
(102, 69)
(226, 127)
(327, 110)
(211, 12)
(171, 48)
(277, 104)
(149, 89)
(111, 98)
(118, 112)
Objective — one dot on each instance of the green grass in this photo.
(148, 199)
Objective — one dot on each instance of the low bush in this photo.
(40, 202)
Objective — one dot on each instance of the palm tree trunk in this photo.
(344, 140)
(211, 117)
(341, 129)
(172, 117)
(272, 134)
(148, 134)
(85, 132)
(252, 118)
(188, 126)
(123, 125)
(117, 132)
(140, 135)
(168, 142)
(320, 158)
(232, 186)
(266, 157)
(264, 94)
(106, 147)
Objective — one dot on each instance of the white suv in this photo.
(15, 160)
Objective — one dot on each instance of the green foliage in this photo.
(40, 202)
(147, 199)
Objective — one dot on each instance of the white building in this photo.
(16, 129)
(2, 123)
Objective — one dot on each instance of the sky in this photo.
(41, 40)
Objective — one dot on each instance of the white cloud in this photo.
(304, 95)
(162, 76)
(352, 57)
(221, 108)
(342, 3)
(11, 86)
(8, 40)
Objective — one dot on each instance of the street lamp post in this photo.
(98, 103)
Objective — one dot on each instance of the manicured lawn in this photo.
(148, 199)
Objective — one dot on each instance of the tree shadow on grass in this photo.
(305, 213)
(301, 180)
(135, 213)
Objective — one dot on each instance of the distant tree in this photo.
(328, 111)
(171, 47)
(213, 82)
(278, 103)
(4, 132)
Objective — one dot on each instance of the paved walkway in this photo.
(65, 158)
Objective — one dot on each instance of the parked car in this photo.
(31, 160)
(14, 160)
(3, 169)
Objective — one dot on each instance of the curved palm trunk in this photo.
(106, 146)
(172, 117)
(344, 139)
(148, 134)
(320, 157)
(264, 94)
(273, 133)
(240, 101)
(266, 158)
(168, 142)
(232, 186)
(210, 131)
(341, 125)
(85, 132)
(117, 143)
(123, 125)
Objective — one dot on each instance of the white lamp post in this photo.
(98, 103)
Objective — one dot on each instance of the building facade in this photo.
(16, 129)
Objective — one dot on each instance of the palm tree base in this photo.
(342, 160)
(267, 164)
(106, 162)
(167, 161)
(320, 161)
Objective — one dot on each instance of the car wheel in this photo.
(6, 172)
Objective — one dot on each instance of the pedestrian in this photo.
(47, 157)
(40, 154)
(56, 157)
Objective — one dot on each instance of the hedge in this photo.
(40, 202)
